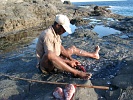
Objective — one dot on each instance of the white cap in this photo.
(64, 21)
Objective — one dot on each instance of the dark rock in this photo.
(85, 33)
(67, 2)
(79, 21)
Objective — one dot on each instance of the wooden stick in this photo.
(59, 83)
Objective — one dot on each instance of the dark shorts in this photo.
(44, 71)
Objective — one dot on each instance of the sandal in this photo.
(58, 93)
(69, 91)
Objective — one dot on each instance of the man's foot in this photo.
(83, 75)
(69, 91)
(58, 93)
(96, 54)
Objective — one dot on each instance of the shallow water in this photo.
(99, 27)
(105, 31)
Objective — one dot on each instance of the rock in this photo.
(123, 24)
(24, 16)
(127, 94)
(85, 33)
(101, 11)
(67, 2)
(11, 90)
(124, 81)
(11, 1)
(79, 21)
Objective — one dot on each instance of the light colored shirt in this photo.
(48, 40)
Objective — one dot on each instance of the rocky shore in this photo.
(21, 21)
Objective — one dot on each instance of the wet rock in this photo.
(101, 11)
(124, 81)
(11, 90)
(124, 24)
(127, 94)
(79, 21)
(85, 33)
(113, 95)
(67, 2)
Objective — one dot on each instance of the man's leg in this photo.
(45, 64)
(73, 50)
(58, 63)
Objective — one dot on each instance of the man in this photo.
(49, 50)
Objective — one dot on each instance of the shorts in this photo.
(44, 71)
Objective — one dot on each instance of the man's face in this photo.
(61, 30)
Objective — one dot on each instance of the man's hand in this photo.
(74, 63)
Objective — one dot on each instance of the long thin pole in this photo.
(58, 83)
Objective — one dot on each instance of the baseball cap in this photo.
(64, 21)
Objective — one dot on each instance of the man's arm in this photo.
(72, 62)
(65, 53)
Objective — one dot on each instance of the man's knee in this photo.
(73, 47)
(46, 57)
(46, 61)
(51, 55)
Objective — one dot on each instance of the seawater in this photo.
(99, 27)
(119, 7)
(124, 8)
